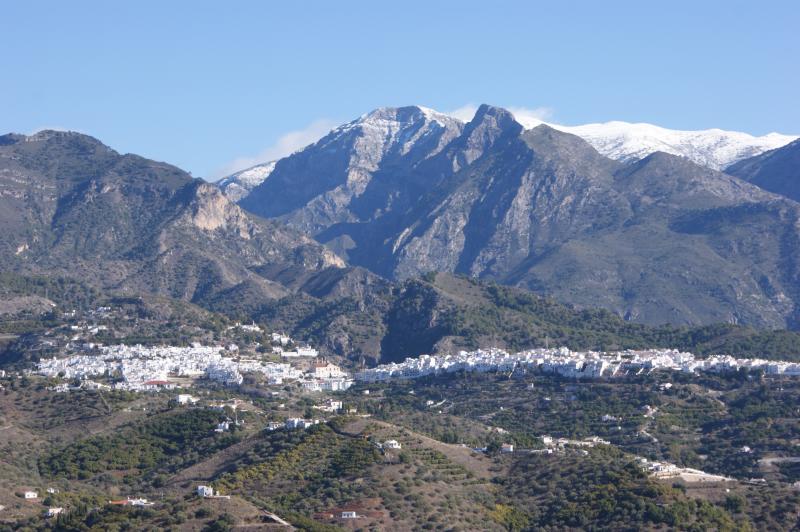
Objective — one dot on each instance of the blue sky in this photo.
(209, 86)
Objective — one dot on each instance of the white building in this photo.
(31, 495)
(52, 512)
(349, 515)
(325, 370)
(140, 502)
(185, 399)
(300, 423)
(306, 352)
(391, 444)
(205, 491)
(279, 338)
(335, 385)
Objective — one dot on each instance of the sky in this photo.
(214, 87)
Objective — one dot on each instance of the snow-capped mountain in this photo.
(405, 191)
(712, 148)
(237, 186)
(389, 132)
(366, 142)
(354, 161)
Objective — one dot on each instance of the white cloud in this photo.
(285, 145)
(526, 116)
(530, 118)
(465, 113)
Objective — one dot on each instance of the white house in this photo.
(349, 515)
(281, 338)
(52, 512)
(507, 448)
(185, 399)
(300, 423)
(312, 386)
(392, 444)
(306, 352)
(31, 495)
(205, 491)
(222, 427)
(330, 406)
(140, 502)
(335, 384)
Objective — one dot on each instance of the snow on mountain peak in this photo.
(713, 148)
(237, 186)
(374, 135)
(394, 130)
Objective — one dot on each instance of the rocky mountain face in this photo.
(71, 206)
(333, 180)
(621, 141)
(777, 170)
(406, 191)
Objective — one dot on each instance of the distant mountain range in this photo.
(399, 193)
(662, 239)
(714, 148)
(621, 141)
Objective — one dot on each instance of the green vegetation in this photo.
(599, 491)
(706, 422)
(452, 312)
(165, 442)
(301, 470)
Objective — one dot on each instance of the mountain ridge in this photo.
(542, 209)
(776, 170)
(73, 206)
(618, 140)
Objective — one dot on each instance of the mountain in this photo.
(330, 178)
(71, 206)
(714, 148)
(405, 191)
(776, 170)
(237, 186)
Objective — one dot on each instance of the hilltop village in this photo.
(571, 364)
(140, 368)
(83, 350)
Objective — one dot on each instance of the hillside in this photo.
(73, 207)
(448, 474)
(777, 170)
(445, 313)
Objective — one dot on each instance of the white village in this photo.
(151, 368)
(573, 364)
